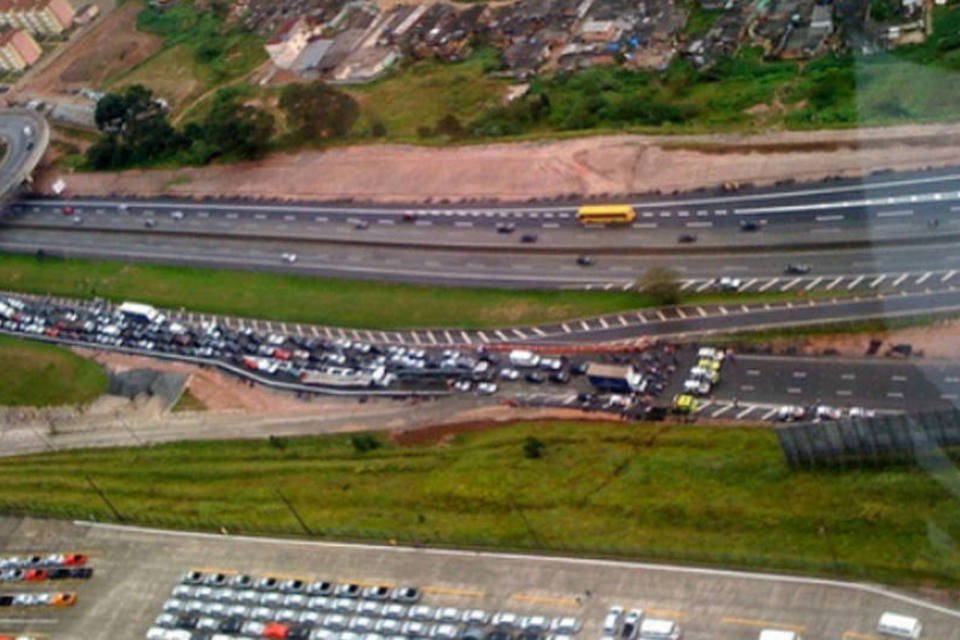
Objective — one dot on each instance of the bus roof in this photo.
(604, 208)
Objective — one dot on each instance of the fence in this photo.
(920, 439)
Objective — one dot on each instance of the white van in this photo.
(522, 358)
(659, 629)
(778, 634)
(898, 626)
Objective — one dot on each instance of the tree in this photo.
(318, 112)
(135, 129)
(232, 128)
(378, 129)
(661, 284)
(533, 448)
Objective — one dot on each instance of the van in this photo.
(659, 629)
(521, 358)
(778, 634)
(899, 626)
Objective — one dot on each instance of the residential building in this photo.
(286, 44)
(39, 17)
(18, 50)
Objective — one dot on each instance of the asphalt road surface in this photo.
(135, 570)
(23, 150)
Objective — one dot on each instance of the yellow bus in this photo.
(606, 214)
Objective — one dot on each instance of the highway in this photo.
(134, 575)
(23, 151)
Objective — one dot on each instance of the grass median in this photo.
(37, 375)
(329, 301)
(677, 493)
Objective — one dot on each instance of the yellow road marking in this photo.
(856, 635)
(453, 591)
(371, 583)
(666, 613)
(749, 622)
(530, 597)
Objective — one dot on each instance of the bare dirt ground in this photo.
(939, 341)
(596, 166)
(111, 45)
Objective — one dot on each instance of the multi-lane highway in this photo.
(25, 134)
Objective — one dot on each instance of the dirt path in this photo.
(597, 166)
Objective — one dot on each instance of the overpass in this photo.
(23, 151)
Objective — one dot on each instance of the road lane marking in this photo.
(834, 283)
(554, 600)
(791, 284)
(856, 635)
(873, 283)
(703, 314)
(661, 316)
(794, 390)
(722, 410)
(769, 284)
(848, 376)
(746, 285)
(894, 394)
(679, 313)
(584, 325)
(948, 275)
(829, 218)
(844, 392)
(768, 414)
(813, 283)
(740, 415)
(672, 614)
(898, 378)
(623, 321)
(951, 379)
(855, 282)
(924, 277)
(898, 281)
(753, 372)
(454, 591)
(723, 310)
(704, 286)
(800, 374)
(900, 213)
(747, 387)
(750, 622)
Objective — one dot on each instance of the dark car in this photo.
(149, 223)
(187, 621)
(560, 377)
(293, 586)
(320, 588)
(405, 594)
(585, 261)
(528, 238)
(578, 368)
(360, 224)
(749, 225)
(6, 600)
(505, 227)
(535, 377)
(797, 269)
(686, 238)
(67, 210)
(409, 216)
(231, 625)
(298, 633)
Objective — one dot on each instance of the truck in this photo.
(343, 378)
(523, 358)
(614, 378)
(139, 312)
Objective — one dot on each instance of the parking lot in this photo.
(137, 570)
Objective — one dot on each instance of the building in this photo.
(287, 43)
(39, 17)
(18, 50)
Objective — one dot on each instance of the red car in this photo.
(74, 559)
(275, 631)
(67, 210)
(35, 575)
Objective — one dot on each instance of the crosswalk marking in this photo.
(520, 334)
(538, 331)
(500, 334)
(584, 325)
(702, 313)
(661, 316)
(813, 283)
(722, 410)
(924, 277)
(896, 283)
(744, 412)
(876, 281)
(704, 286)
(748, 284)
(642, 319)
(948, 275)
(855, 282)
(768, 414)
(483, 336)
(565, 327)
(791, 284)
(680, 313)
(834, 283)
(686, 284)
(623, 321)
(769, 284)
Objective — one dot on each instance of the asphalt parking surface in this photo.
(136, 569)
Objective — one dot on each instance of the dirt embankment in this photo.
(599, 166)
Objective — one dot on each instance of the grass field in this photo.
(39, 375)
(422, 93)
(329, 301)
(692, 494)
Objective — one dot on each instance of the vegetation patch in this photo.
(34, 374)
(689, 494)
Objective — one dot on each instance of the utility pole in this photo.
(113, 509)
(296, 515)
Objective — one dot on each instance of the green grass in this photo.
(699, 19)
(834, 328)
(200, 53)
(330, 301)
(38, 375)
(691, 494)
(189, 402)
(421, 93)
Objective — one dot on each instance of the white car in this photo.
(289, 257)
(448, 614)
(415, 629)
(487, 388)
(476, 616)
(860, 412)
(463, 385)
(712, 353)
(509, 374)
(611, 621)
(726, 283)
(697, 387)
(177, 215)
(565, 626)
(505, 620)
(790, 412)
(422, 612)
(659, 629)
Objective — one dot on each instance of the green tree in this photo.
(661, 284)
(450, 126)
(318, 112)
(232, 128)
(135, 129)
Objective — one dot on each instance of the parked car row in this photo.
(39, 575)
(634, 625)
(49, 561)
(206, 605)
(37, 599)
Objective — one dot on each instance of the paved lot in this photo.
(137, 568)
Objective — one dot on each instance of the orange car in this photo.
(63, 600)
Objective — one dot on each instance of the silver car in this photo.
(263, 614)
(361, 624)
(335, 621)
(448, 614)
(422, 612)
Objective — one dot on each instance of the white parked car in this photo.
(487, 388)
(726, 283)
